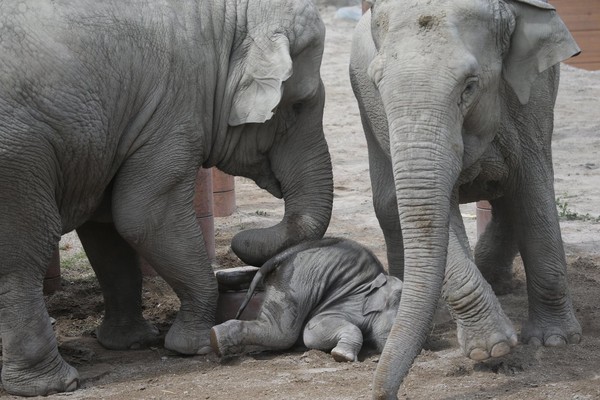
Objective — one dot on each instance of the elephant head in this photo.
(445, 71)
(381, 302)
(274, 110)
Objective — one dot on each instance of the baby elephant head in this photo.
(382, 301)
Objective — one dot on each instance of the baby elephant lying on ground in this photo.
(333, 290)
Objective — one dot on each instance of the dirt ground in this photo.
(441, 371)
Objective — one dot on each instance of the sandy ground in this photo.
(441, 371)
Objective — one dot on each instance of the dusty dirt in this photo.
(441, 371)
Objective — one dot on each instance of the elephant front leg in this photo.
(483, 329)
(385, 204)
(116, 266)
(31, 363)
(552, 320)
(153, 211)
(334, 333)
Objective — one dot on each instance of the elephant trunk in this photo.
(302, 164)
(426, 152)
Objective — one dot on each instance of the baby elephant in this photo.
(333, 290)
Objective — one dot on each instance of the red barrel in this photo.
(223, 193)
(203, 204)
(483, 214)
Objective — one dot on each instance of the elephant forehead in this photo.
(432, 15)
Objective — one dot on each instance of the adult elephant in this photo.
(107, 111)
(456, 99)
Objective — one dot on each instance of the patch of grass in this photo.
(76, 263)
(569, 214)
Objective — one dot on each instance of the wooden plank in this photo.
(579, 14)
(582, 17)
(589, 43)
(591, 66)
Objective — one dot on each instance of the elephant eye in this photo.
(469, 91)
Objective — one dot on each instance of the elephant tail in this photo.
(259, 277)
(273, 263)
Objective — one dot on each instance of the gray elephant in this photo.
(333, 292)
(456, 99)
(107, 110)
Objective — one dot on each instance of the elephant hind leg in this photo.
(496, 250)
(116, 266)
(238, 337)
(274, 329)
(334, 333)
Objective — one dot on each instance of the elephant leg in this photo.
(153, 211)
(276, 329)
(496, 249)
(552, 320)
(31, 363)
(116, 266)
(326, 332)
(482, 327)
(385, 204)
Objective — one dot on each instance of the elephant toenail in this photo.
(479, 355)
(500, 349)
(513, 340)
(555, 341)
(575, 338)
(205, 350)
(72, 386)
(535, 342)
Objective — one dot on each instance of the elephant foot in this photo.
(342, 354)
(189, 340)
(559, 329)
(492, 335)
(44, 379)
(224, 338)
(136, 334)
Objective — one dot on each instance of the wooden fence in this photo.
(582, 17)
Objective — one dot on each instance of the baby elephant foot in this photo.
(343, 354)
(133, 335)
(491, 336)
(225, 338)
(551, 332)
(41, 380)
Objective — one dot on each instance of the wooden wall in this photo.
(582, 17)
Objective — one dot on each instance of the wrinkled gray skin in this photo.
(333, 292)
(456, 99)
(107, 110)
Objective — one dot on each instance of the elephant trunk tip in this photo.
(256, 246)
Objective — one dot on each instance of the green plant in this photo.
(570, 215)
(75, 261)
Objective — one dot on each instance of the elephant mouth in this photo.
(271, 185)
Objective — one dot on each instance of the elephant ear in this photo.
(267, 65)
(376, 299)
(539, 41)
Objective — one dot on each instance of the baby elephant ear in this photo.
(376, 299)
(268, 64)
(539, 41)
